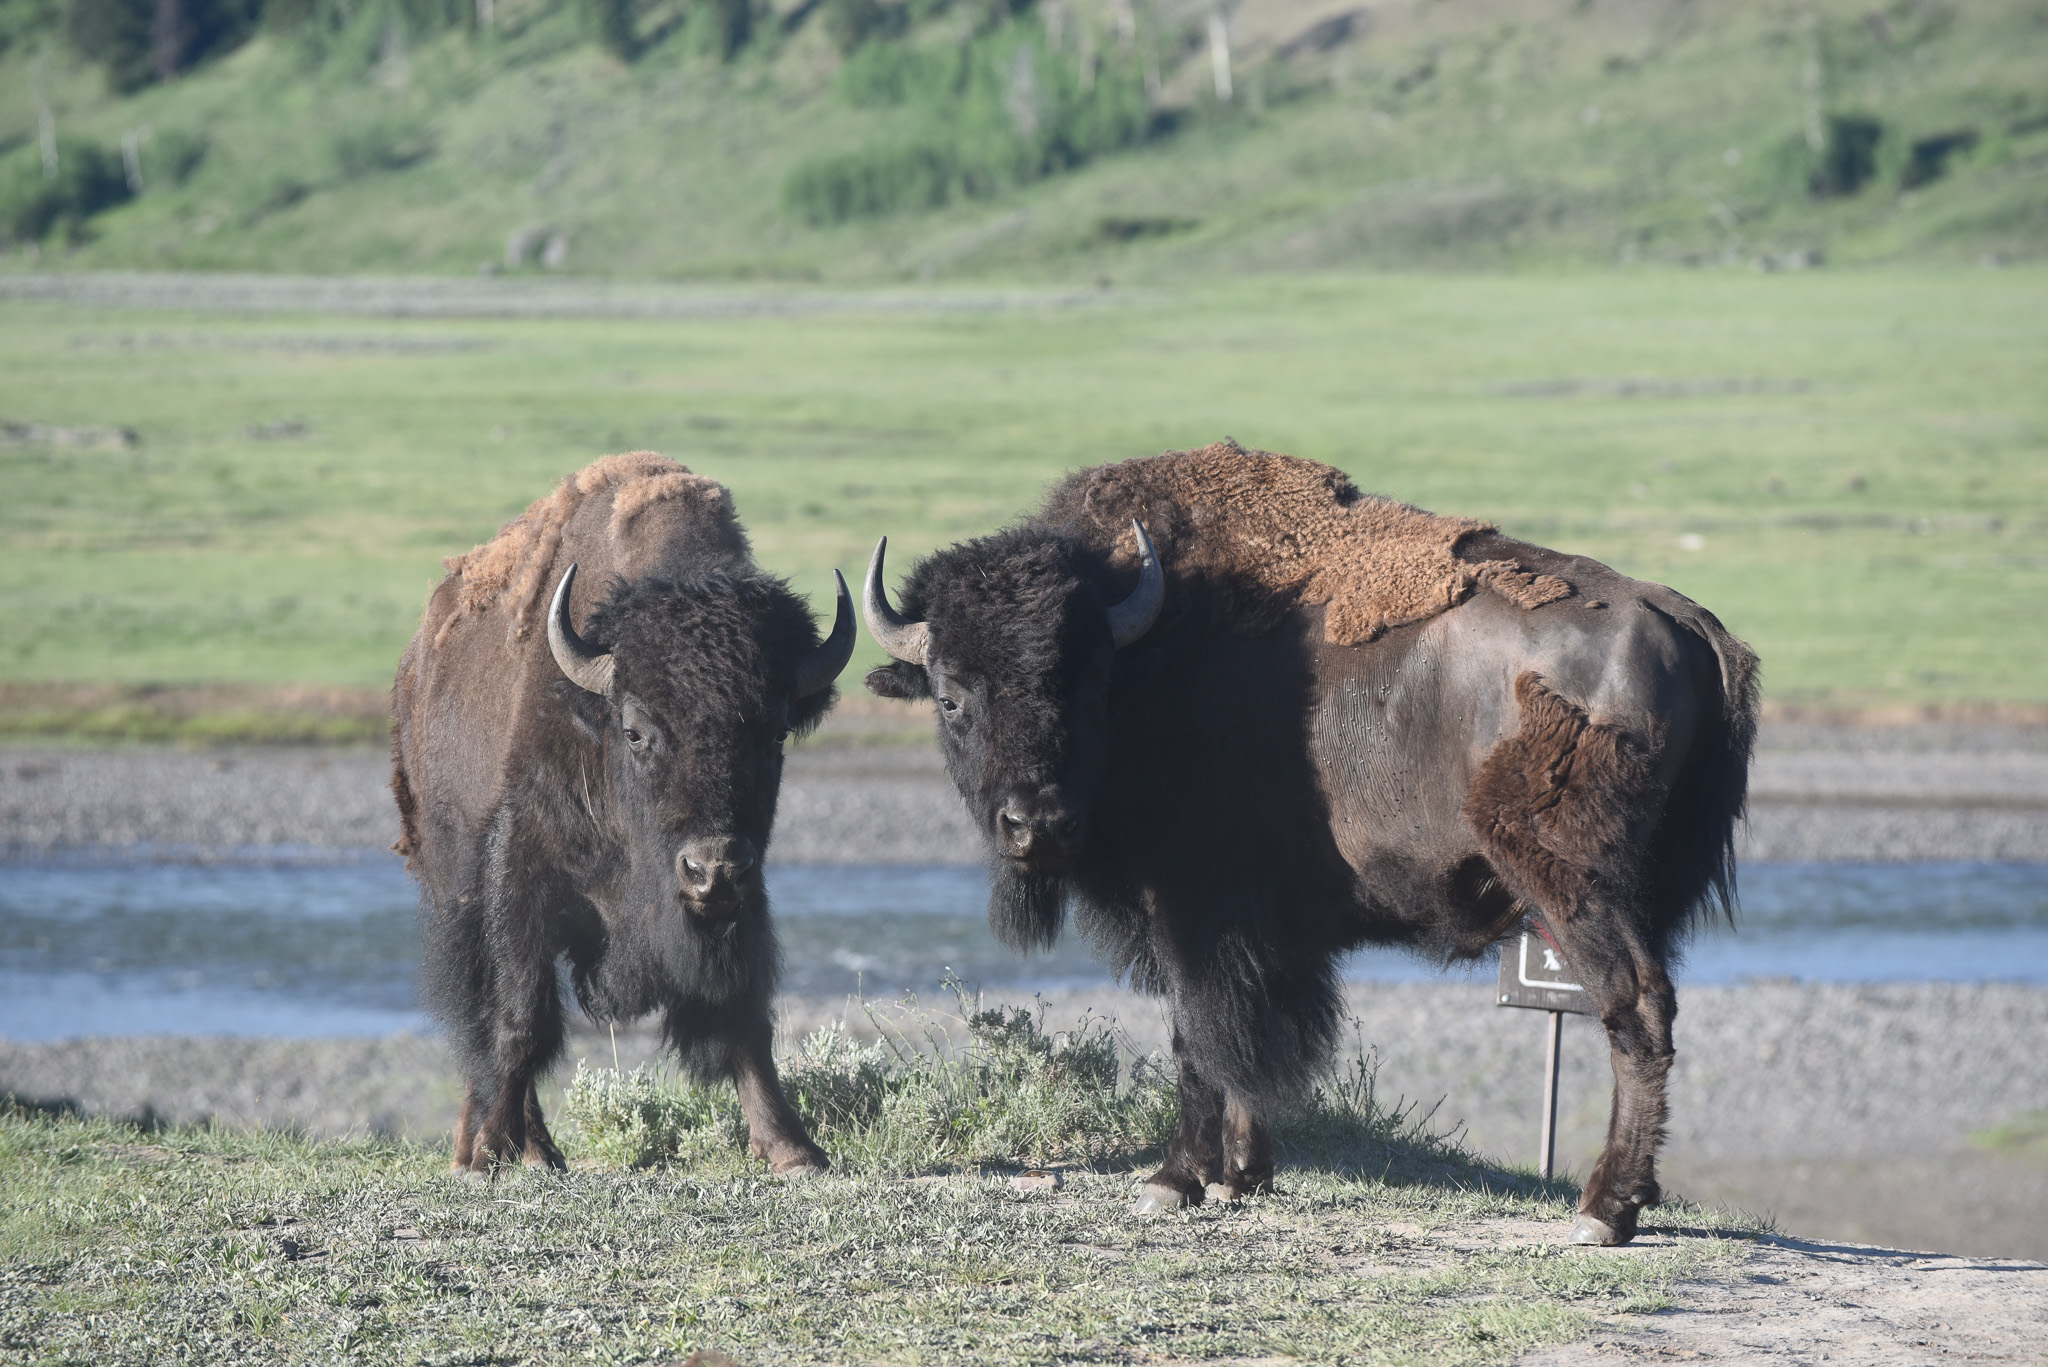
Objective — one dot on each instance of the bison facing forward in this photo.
(607, 803)
(1316, 721)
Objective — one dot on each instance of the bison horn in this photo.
(587, 669)
(818, 669)
(905, 640)
(1134, 616)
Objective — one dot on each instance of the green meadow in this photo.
(1850, 468)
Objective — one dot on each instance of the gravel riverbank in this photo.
(1817, 793)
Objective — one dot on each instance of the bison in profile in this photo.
(1313, 720)
(586, 767)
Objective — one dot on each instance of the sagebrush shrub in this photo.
(1007, 1093)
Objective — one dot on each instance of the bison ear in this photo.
(806, 712)
(591, 712)
(900, 679)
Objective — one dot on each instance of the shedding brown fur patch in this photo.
(514, 565)
(1287, 530)
(408, 811)
(1552, 803)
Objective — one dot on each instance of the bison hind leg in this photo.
(1247, 1152)
(539, 1150)
(1564, 809)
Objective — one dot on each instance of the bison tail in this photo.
(1695, 841)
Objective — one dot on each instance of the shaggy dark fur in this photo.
(1235, 799)
(546, 823)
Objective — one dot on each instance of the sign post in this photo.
(1534, 975)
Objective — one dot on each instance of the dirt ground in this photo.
(1807, 1300)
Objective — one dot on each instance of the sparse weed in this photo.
(645, 1117)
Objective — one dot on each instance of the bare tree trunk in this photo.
(1810, 81)
(168, 37)
(46, 124)
(1219, 54)
(1149, 48)
(131, 157)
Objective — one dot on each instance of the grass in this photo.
(101, 714)
(1489, 133)
(1848, 467)
(2024, 1136)
(1384, 1245)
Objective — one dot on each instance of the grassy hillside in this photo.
(1851, 468)
(974, 137)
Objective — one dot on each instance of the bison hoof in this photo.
(799, 1170)
(800, 1165)
(1591, 1231)
(1237, 1188)
(1157, 1196)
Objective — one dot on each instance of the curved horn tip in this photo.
(816, 671)
(903, 639)
(588, 669)
(1134, 616)
(1146, 555)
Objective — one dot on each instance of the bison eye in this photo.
(948, 705)
(635, 739)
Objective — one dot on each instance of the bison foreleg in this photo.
(465, 1131)
(518, 1037)
(1195, 1159)
(775, 1131)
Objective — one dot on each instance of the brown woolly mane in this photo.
(1292, 531)
(514, 566)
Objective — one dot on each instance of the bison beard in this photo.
(1026, 910)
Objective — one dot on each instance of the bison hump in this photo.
(510, 573)
(1266, 531)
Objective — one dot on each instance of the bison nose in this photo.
(712, 868)
(1025, 828)
(1016, 833)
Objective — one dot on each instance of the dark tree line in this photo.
(140, 41)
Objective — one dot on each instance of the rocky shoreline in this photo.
(880, 796)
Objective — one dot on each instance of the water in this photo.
(318, 946)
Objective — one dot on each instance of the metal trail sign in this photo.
(1535, 974)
